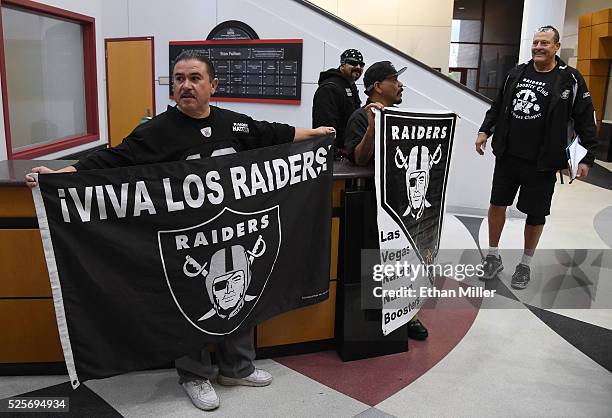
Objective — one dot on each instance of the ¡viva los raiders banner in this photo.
(413, 152)
(148, 263)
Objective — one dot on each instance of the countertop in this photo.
(12, 172)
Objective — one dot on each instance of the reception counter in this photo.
(30, 341)
(29, 334)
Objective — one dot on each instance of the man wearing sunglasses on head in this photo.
(337, 96)
(539, 108)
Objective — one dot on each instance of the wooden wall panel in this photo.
(338, 187)
(23, 267)
(16, 202)
(585, 20)
(594, 54)
(602, 16)
(335, 240)
(28, 331)
(597, 88)
(593, 67)
(601, 48)
(584, 43)
(312, 323)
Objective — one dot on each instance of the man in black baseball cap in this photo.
(384, 90)
(337, 95)
(379, 72)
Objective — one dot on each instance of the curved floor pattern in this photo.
(603, 225)
(509, 364)
(393, 372)
(592, 340)
(598, 176)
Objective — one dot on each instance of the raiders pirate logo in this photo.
(217, 270)
(417, 166)
(416, 157)
(206, 131)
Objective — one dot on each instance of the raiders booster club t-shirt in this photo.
(528, 110)
(173, 136)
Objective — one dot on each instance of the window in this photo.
(485, 37)
(48, 68)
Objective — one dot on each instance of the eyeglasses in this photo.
(354, 62)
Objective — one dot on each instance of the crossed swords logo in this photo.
(258, 250)
(402, 162)
(417, 165)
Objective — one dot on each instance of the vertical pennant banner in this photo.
(412, 160)
(151, 262)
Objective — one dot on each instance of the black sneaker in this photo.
(491, 265)
(520, 278)
(417, 331)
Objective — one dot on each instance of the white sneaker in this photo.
(202, 394)
(257, 378)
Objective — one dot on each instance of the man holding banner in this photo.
(193, 130)
(384, 89)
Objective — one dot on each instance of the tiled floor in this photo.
(512, 356)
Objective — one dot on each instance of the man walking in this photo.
(540, 106)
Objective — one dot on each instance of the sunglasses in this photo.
(354, 62)
(545, 29)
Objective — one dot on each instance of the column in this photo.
(537, 13)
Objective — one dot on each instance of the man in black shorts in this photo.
(540, 107)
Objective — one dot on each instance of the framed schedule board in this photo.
(260, 70)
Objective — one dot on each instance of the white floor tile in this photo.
(508, 364)
(455, 235)
(290, 394)
(15, 385)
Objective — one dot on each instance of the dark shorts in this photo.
(536, 187)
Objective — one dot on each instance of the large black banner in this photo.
(150, 262)
(416, 150)
(413, 155)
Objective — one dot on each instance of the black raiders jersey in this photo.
(174, 136)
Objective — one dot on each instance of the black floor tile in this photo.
(592, 340)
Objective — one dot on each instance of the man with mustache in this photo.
(337, 97)
(540, 107)
(196, 129)
(384, 89)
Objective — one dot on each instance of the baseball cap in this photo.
(351, 56)
(378, 72)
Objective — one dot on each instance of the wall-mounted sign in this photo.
(265, 70)
(232, 29)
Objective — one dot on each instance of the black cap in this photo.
(378, 72)
(351, 55)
